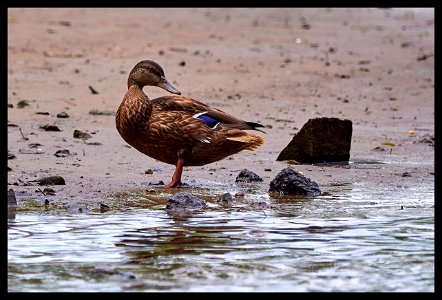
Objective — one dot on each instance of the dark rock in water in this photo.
(185, 201)
(225, 200)
(11, 197)
(320, 140)
(81, 135)
(104, 207)
(290, 182)
(247, 176)
(51, 180)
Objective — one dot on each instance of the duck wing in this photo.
(212, 117)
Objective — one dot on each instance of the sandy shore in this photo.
(279, 67)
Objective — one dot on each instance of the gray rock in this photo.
(320, 140)
(290, 182)
(247, 176)
(185, 201)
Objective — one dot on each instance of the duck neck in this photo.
(135, 110)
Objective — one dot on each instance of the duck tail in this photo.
(252, 141)
(253, 126)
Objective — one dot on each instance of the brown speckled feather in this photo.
(192, 107)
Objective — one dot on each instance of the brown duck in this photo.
(178, 130)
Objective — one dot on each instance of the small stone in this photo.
(260, 205)
(148, 171)
(81, 135)
(93, 91)
(48, 127)
(49, 191)
(184, 201)
(104, 207)
(22, 103)
(247, 176)
(62, 115)
(225, 200)
(378, 149)
(51, 180)
(34, 145)
(63, 153)
(239, 194)
(96, 112)
(406, 174)
(11, 156)
(11, 197)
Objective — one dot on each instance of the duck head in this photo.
(148, 72)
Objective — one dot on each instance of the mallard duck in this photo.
(178, 130)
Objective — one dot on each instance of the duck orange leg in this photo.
(176, 178)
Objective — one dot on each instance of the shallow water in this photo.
(352, 238)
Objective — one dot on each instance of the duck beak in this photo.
(164, 84)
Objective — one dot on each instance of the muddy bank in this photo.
(67, 72)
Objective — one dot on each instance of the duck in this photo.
(178, 130)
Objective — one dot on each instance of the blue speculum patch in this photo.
(210, 121)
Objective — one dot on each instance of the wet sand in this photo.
(278, 67)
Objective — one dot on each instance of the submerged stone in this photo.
(225, 200)
(184, 201)
(290, 182)
(320, 140)
(247, 176)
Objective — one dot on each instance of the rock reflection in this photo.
(178, 238)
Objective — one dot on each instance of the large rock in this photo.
(320, 140)
(290, 182)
